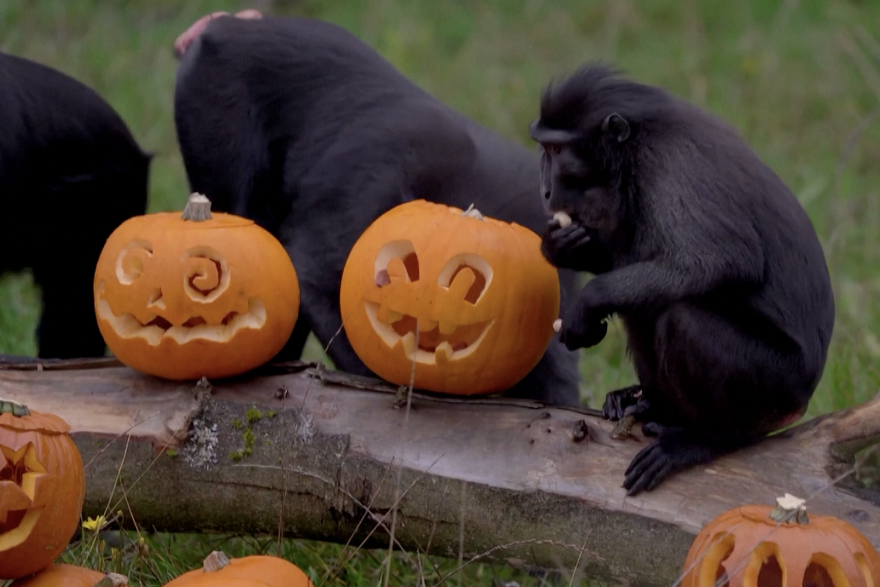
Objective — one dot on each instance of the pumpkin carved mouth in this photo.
(19, 480)
(394, 312)
(195, 327)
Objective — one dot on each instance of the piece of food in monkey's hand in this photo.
(623, 428)
(557, 325)
(562, 218)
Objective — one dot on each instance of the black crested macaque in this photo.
(301, 126)
(708, 258)
(70, 173)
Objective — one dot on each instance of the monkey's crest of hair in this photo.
(583, 100)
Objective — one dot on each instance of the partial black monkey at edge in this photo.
(704, 253)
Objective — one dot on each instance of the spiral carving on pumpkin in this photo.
(207, 276)
(130, 262)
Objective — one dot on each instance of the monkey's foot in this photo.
(675, 449)
(622, 402)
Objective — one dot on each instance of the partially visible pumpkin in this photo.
(42, 488)
(183, 296)
(248, 571)
(469, 299)
(762, 546)
(60, 575)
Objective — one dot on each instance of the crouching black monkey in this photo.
(70, 173)
(304, 128)
(705, 254)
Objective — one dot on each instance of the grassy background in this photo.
(800, 79)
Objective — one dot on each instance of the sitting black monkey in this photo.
(701, 249)
(301, 126)
(70, 173)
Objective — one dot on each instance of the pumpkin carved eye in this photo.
(468, 299)
(467, 275)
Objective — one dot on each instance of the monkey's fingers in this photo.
(570, 237)
(621, 402)
(649, 467)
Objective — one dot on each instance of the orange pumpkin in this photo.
(469, 299)
(71, 576)
(744, 548)
(248, 571)
(192, 295)
(42, 488)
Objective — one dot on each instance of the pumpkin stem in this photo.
(112, 580)
(7, 406)
(215, 561)
(198, 208)
(472, 212)
(790, 509)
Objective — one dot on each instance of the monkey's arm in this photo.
(650, 285)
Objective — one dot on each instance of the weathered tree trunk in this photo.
(542, 483)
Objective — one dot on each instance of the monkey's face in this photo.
(570, 183)
(578, 172)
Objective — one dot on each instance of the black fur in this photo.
(301, 126)
(70, 173)
(701, 249)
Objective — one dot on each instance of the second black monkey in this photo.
(701, 249)
(301, 126)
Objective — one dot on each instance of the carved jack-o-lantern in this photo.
(467, 300)
(760, 546)
(192, 295)
(42, 488)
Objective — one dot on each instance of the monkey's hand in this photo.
(581, 335)
(565, 246)
(629, 401)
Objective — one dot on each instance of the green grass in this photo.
(796, 77)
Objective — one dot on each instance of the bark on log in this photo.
(536, 484)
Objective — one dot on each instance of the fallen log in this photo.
(325, 455)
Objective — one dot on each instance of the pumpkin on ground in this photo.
(762, 546)
(183, 296)
(469, 299)
(42, 488)
(247, 571)
(61, 575)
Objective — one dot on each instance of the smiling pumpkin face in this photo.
(42, 488)
(184, 298)
(468, 299)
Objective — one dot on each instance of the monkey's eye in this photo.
(552, 148)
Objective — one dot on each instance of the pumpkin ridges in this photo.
(39, 422)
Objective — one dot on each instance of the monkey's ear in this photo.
(616, 126)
